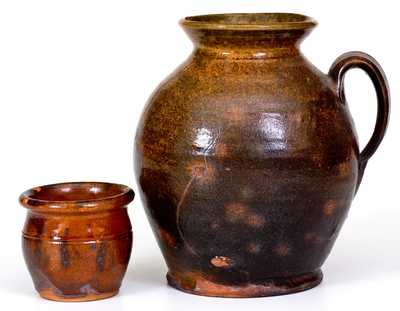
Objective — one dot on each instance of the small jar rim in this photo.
(96, 197)
(249, 21)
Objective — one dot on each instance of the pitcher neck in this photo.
(257, 35)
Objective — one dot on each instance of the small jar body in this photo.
(77, 256)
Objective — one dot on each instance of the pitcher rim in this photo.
(242, 21)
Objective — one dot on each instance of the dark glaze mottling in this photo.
(77, 239)
(247, 157)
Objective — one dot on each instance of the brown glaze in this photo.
(77, 239)
(247, 157)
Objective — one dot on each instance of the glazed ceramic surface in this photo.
(247, 157)
(77, 239)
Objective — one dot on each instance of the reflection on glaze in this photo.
(203, 139)
(274, 129)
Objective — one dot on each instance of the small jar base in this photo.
(50, 295)
(198, 285)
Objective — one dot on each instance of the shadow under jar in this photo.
(77, 239)
(247, 157)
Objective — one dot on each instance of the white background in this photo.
(74, 78)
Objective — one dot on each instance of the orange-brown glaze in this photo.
(255, 220)
(253, 248)
(202, 171)
(222, 262)
(282, 250)
(167, 238)
(50, 295)
(236, 212)
(77, 239)
(330, 207)
(313, 238)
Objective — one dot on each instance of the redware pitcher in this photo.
(247, 157)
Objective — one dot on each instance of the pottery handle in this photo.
(373, 69)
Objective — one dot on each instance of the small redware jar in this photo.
(77, 239)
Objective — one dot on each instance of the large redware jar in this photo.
(247, 157)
